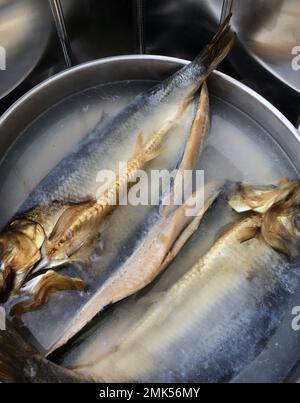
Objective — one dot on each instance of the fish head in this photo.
(279, 207)
(20, 245)
(281, 224)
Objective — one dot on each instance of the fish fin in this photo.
(47, 284)
(139, 149)
(190, 229)
(86, 254)
(103, 116)
(19, 280)
(7, 374)
(67, 218)
(23, 362)
(13, 351)
(151, 156)
(64, 232)
(248, 233)
(71, 201)
(218, 48)
(139, 145)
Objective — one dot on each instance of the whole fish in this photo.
(30, 238)
(184, 335)
(61, 230)
(54, 224)
(214, 319)
(157, 249)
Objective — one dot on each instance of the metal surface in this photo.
(102, 28)
(25, 28)
(51, 91)
(59, 19)
(55, 89)
(267, 32)
(267, 55)
(270, 31)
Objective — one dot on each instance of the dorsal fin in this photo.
(63, 228)
(139, 145)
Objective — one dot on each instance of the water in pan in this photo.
(235, 139)
(238, 149)
(235, 321)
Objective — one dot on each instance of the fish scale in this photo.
(202, 290)
(74, 180)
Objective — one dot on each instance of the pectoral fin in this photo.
(42, 287)
(67, 218)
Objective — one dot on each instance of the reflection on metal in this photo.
(58, 16)
(269, 31)
(226, 9)
(25, 29)
(140, 25)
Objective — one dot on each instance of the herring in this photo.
(54, 223)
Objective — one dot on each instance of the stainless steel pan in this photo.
(233, 102)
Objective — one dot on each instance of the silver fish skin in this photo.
(164, 240)
(239, 276)
(215, 318)
(74, 178)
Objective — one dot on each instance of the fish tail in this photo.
(218, 48)
(21, 362)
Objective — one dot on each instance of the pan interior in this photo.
(238, 149)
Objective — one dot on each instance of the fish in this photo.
(57, 232)
(163, 241)
(68, 192)
(217, 317)
(76, 222)
(29, 238)
(22, 362)
(157, 346)
(279, 205)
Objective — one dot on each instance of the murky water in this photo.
(238, 149)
